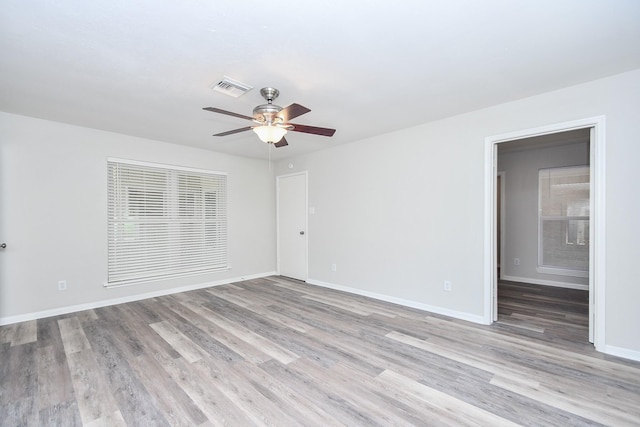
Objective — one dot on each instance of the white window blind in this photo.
(164, 222)
(564, 206)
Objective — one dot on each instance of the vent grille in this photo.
(231, 87)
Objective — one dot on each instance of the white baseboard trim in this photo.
(622, 352)
(104, 303)
(400, 301)
(545, 282)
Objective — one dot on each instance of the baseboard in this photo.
(622, 352)
(400, 301)
(104, 303)
(545, 282)
(609, 349)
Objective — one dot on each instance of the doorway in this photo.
(596, 227)
(542, 272)
(292, 225)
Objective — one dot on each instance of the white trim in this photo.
(503, 240)
(622, 352)
(597, 266)
(597, 269)
(104, 303)
(164, 166)
(548, 129)
(306, 219)
(400, 301)
(489, 236)
(543, 282)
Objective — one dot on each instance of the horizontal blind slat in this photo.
(164, 222)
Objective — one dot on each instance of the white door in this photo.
(3, 256)
(292, 225)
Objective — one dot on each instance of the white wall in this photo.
(53, 190)
(402, 212)
(521, 203)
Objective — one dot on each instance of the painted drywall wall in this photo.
(53, 187)
(521, 203)
(402, 212)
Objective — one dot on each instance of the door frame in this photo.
(597, 260)
(306, 219)
(501, 227)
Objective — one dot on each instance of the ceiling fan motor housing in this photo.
(266, 113)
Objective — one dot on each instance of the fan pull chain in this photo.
(270, 144)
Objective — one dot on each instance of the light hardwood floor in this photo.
(277, 352)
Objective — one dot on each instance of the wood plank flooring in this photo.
(558, 315)
(276, 352)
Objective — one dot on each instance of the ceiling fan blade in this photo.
(282, 143)
(228, 113)
(313, 129)
(231, 132)
(292, 111)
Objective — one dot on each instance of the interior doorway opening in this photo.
(596, 270)
(542, 253)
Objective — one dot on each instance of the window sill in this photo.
(562, 272)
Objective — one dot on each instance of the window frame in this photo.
(174, 230)
(551, 269)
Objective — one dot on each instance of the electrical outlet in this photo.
(447, 285)
(516, 261)
(334, 267)
(62, 285)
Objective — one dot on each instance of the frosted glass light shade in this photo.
(268, 133)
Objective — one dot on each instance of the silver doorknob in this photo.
(3, 245)
(302, 233)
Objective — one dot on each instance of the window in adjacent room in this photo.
(164, 222)
(563, 213)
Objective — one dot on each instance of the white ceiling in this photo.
(364, 67)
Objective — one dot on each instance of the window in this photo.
(563, 231)
(164, 222)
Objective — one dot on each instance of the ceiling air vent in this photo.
(231, 87)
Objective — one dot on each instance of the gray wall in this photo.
(401, 213)
(521, 203)
(53, 186)
(398, 213)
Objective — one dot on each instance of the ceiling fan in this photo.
(272, 121)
